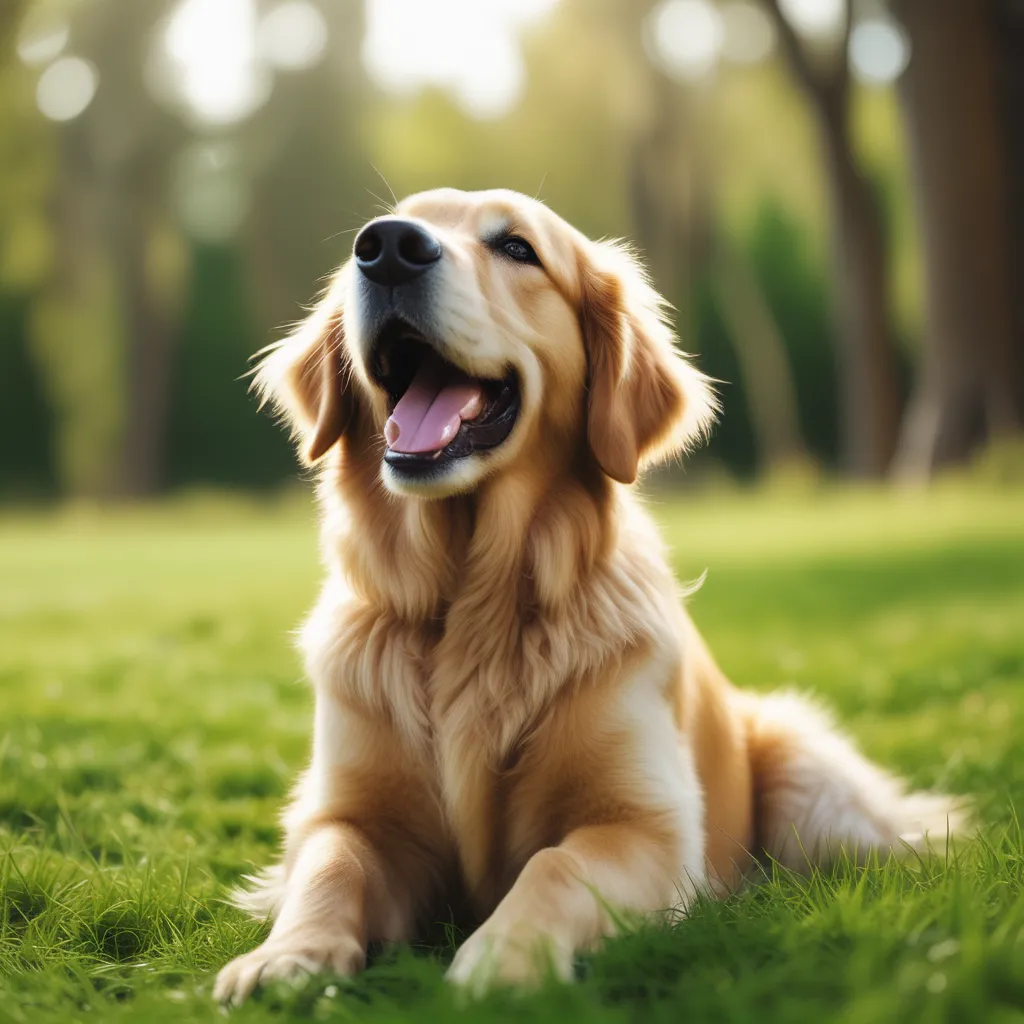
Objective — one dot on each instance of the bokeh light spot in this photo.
(66, 88)
(879, 51)
(817, 19)
(41, 40)
(686, 37)
(293, 36)
(748, 35)
(209, 47)
(468, 47)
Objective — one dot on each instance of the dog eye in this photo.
(519, 250)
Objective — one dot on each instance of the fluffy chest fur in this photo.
(486, 621)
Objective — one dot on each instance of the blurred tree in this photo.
(662, 186)
(215, 435)
(968, 387)
(1010, 37)
(132, 144)
(762, 357)
(310, 167)
(733, 443)
(869, 389)
(793, 281)
(770, 207)
(665, 179)
(26, 169)
(106, 325)
(172, 248)
(301, 170)
(137, 404)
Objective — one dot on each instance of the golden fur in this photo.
(512, 706)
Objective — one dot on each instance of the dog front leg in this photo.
(322, 923)
(567, 898)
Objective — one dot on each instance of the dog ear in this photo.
(307, 377)
(645, 400)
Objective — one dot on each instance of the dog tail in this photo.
(815, 794)
(262, 894)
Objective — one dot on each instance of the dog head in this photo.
(471, 331)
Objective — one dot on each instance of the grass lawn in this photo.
(152, 716)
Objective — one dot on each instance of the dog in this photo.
(512, 707)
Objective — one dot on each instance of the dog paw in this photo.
(491, 959)
(286, 961)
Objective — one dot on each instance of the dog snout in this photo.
(392, 251)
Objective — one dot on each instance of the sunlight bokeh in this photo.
(816, 19)
(686, 36)
(66, 88)
(879, 51)
(748, 36)
(293, 36)
(42, 39)
(214, 61)
(469, 47)
(208, 60)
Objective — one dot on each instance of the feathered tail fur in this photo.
(816, 794)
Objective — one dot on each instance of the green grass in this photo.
(152, 716)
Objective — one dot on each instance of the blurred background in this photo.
(830, 192)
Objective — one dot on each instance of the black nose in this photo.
(392, 251)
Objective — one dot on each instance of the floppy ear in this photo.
(645, 401)
(307, 377)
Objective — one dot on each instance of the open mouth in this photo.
(439, 413)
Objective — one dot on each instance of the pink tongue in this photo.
(430, 413)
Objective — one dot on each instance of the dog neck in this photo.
(530, 535)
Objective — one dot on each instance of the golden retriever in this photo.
(512, 706)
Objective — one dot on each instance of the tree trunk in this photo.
(762, 356)
(1010, 39)
(868, 385)
(869, 390)
(971, 358)
(150, 341)
(662, 185)
(132, 172)
(76, 331)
